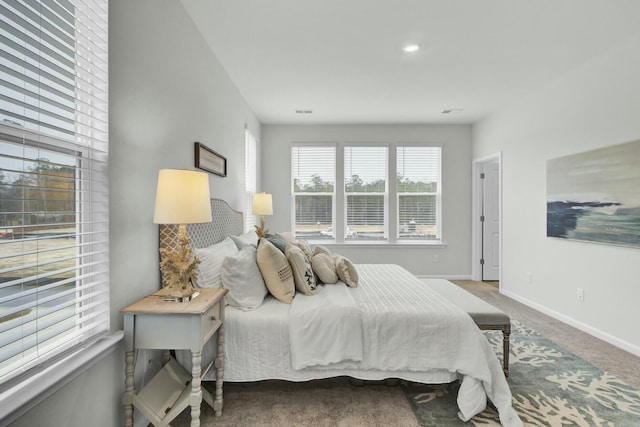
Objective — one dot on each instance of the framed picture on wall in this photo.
(210, 161)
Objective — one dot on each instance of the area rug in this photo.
(550, 387)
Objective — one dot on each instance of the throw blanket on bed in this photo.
(331, 321)
(403, 326)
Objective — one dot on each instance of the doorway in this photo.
(487, 208)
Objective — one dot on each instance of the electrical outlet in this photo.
(580, 294)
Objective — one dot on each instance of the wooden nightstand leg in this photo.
(127, 398)
(219, 364)
(196, 388)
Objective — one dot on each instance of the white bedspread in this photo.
(325, 328)
(408, 331)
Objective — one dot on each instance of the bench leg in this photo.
(506, 333)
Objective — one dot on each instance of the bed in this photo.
(390, 326)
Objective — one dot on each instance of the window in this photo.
(250, 178)
(371, 205)
(365, 192)
(418, 192)
(313, 176)
(54, 234)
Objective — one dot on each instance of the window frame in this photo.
(392, 214)
(333, 195)
(88, 143)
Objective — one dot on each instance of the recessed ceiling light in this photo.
(411, 47)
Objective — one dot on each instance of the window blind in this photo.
(313, 172)
(365, 189)
(54, 228)
(418, 192)
(250, 178)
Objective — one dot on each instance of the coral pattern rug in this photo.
(550, 387)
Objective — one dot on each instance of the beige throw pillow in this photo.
(346, 270)
(276, 271)
(306, 248)
(303, 276)
(319, 249)
(325, 268)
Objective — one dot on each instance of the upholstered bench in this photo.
(486, 316)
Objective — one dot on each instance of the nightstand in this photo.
(156, 323)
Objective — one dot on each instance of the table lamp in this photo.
(262, 206)
(182, 197)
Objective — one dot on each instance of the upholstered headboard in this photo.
(226, 222)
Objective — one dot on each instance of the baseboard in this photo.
(604, 336)
(451, 277)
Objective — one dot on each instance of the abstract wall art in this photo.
(594, 196)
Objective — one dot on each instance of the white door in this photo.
(490, 220)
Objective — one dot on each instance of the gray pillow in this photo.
(278, 242)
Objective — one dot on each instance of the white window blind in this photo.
(418, 192)
(313, 177)
(250, 178)
(54, 273)
(365, 191)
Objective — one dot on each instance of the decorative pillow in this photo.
(346, 270)
(278, 242)
(325, 268)
(250, 238)
(303, 276)
(319, 249)
(306, 248)
(210, 266)
(276, 271)
(287, 236)
(241, 275)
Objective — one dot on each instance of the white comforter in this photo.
(391, 325)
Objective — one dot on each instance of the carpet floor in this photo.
(595, 385)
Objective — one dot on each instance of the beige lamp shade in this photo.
(262, 204)
(182, 197)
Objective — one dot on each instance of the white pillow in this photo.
(241, 275)
(303, 276)
(250, 238)
(325, 268)
(346, 270)
(211, 258)
(276, 271)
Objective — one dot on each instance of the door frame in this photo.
(476, 227)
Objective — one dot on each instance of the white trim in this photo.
(17, 400)
(446, 277)
(476, 228)
(604, 336)
(422, 244)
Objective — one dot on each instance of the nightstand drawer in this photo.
(211, 320)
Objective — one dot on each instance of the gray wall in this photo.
(167, 90)
(454, 259)
(595, 105)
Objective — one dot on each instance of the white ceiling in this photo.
(342, 59)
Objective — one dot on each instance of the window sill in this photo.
(381, 244)
(21, 397)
